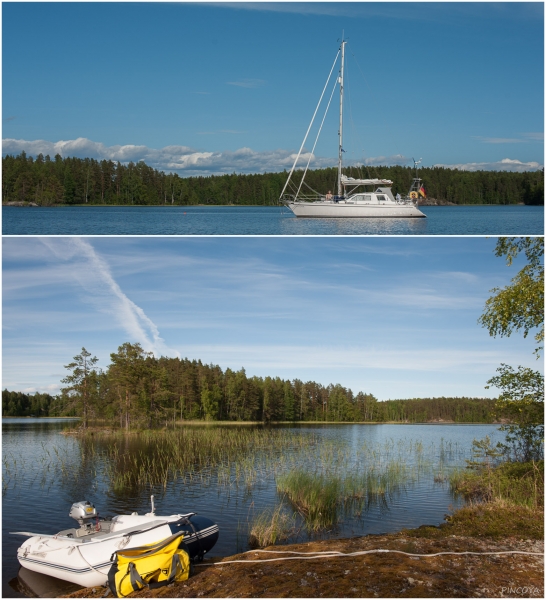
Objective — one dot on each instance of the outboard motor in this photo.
(83, 512)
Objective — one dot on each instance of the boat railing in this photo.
(311, 198)
(406, 200)
(303, 198)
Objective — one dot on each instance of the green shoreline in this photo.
(31, 205)
(249, 423)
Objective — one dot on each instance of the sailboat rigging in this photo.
(347, 203)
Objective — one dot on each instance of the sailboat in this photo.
(379, 201)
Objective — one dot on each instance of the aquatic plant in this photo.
(323, 482)
(271, 526)
(516, 483)
(326, 489)
(321, 498)
(157, 458)
(315, 496)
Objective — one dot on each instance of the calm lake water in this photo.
(44, 472)
(230, 220)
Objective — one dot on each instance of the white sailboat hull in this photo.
(344, 210)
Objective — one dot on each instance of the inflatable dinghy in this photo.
(84, 555)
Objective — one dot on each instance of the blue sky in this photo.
(396, 317)
(201, 88)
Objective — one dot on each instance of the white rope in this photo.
(336, 554)
(310, 125)
(89, 564)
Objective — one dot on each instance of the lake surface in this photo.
(252, 220)
(44, 472)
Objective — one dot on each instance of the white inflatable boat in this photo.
(84, 555)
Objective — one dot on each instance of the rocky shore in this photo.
(395, 574)
(434, 202)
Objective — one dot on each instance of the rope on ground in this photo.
(337, 554)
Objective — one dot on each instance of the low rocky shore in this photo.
(434, 202)
(395, 574)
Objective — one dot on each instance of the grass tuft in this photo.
(316, 497)
(270, 527)
(497, 519)
(515, 483)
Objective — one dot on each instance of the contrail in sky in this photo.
(95, 277)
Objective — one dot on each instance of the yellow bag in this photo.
(152, 566)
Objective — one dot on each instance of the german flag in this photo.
(422, 191)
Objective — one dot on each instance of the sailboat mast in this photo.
(339, 189)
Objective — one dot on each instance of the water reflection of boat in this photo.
(84, 555)
(35, 585)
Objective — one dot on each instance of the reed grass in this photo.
(323, 498)
(323, 480)
(271, 526)
(516, 483)
(336, 481)
(315, 496)
(239, 457)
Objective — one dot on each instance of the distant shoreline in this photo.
(34, 417)
(34, 205)
(271, 423)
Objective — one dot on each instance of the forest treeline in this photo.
(140, 390)
(68, 181)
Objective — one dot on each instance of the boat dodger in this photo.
(84, 555)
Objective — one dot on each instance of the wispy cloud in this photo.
(299, 357)
(234, 131)
(95, 277)
(247, 83)
(330, 310)
(525, 139)
(190, 161)
(393, 160)
(406, 11)
(492, 140)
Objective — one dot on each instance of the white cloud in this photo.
(396, 159)
(180, 159)
(95, 277)
(53, 389)
(506, 164)
(188, 161)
